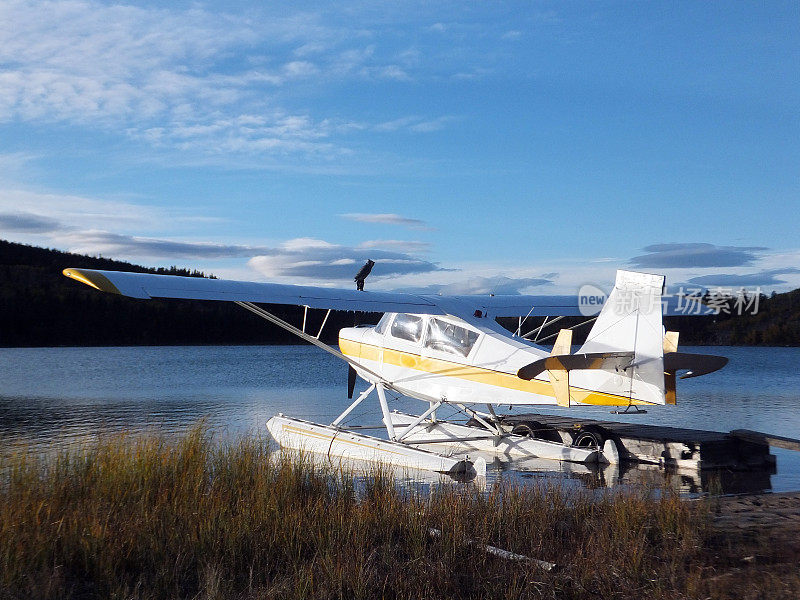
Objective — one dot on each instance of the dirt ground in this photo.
(770, 520)
(780, 512)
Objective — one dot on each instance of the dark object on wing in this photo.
(696, 364)
(362, 274)
(607, 361)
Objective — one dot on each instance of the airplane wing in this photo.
(148, 285)
(517, 305)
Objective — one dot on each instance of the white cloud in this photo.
(401, 245)
(275, 133)
(431, 125)
(187, 79)
(766, 279)
(115, 244)
(76, 224)
(498, 284)
(392, 72)
(386, 219)
(310, 260)
(14, 164)
(695, 255)
(300, 68)
(27, 223)
(301, 244)
(83, 61)
(81, 212)
(83, 224)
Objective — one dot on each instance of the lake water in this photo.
(59, 397)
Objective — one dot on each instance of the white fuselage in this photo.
(432, 357)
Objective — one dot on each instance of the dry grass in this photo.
(141, 517)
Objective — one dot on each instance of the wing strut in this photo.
(549, 337)
(305, 336)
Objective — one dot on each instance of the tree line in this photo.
(41, 307)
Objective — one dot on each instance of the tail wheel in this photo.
(536, 430)
(589, 437)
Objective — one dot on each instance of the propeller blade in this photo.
(696, 364)
(607, 361)
(351, 382)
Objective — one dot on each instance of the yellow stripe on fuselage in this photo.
(445, 368)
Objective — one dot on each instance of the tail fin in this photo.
(630, 322)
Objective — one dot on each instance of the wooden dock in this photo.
(667, 446)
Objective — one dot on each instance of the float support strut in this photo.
(350, 408)
(419, 420)
(387, 419)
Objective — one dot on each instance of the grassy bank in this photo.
(141, 517)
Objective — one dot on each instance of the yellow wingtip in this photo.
(93, 279)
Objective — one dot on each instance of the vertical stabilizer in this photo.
(630, 322)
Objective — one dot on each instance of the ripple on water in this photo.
(61, 397)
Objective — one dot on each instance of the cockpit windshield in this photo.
(383, 323)
(447, 337)
(407, 327)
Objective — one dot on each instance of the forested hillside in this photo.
(41, 307)
(776, 323)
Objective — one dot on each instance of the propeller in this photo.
(351, 382)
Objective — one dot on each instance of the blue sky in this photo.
(470, 147)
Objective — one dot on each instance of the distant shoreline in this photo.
(40, 308)
(254, 344)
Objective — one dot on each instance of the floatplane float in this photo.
(449, 351)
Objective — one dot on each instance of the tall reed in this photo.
(144, 517)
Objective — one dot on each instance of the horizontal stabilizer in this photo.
(696, 364)
(606, 361)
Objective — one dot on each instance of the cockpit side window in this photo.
(383, 323)
(447, 337)
(407, 327)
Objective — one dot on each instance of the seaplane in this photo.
(450, 351)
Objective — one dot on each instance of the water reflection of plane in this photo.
(412, 478)
(683, 481)
(534, 471)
